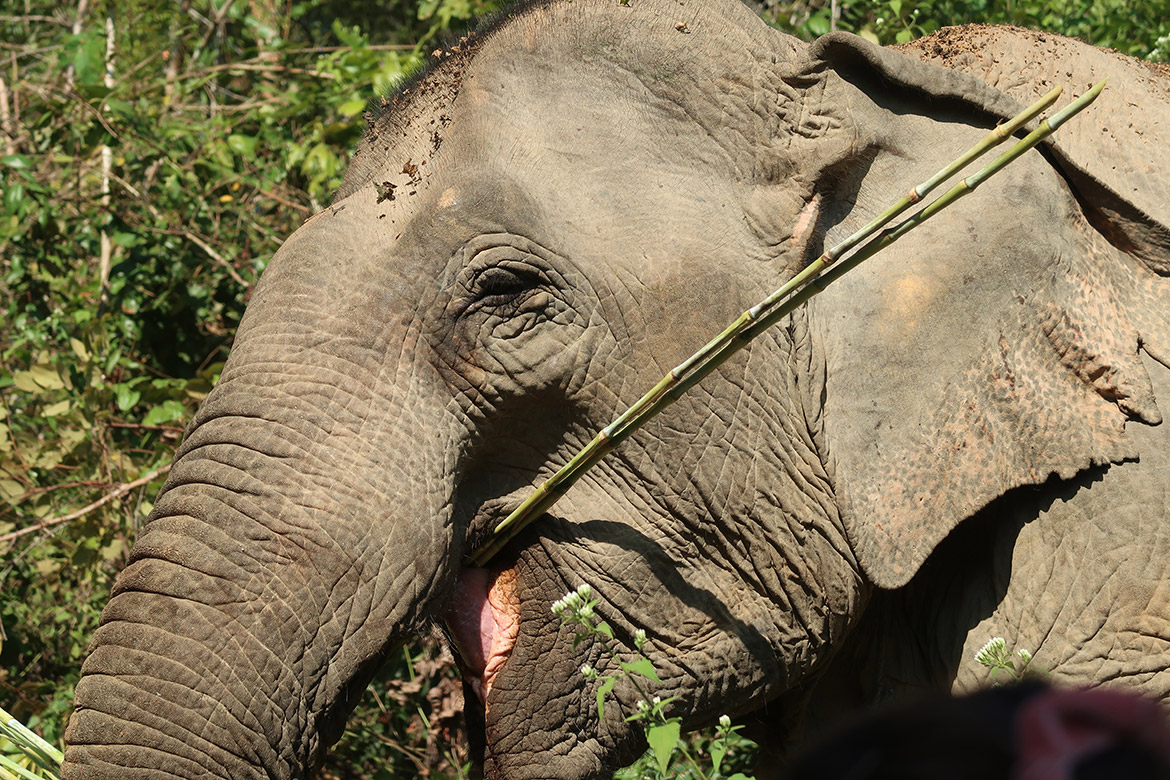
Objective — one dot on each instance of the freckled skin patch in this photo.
(447, 199)
(906, 298)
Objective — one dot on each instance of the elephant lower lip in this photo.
(484, 620)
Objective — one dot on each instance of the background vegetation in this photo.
(153, 155)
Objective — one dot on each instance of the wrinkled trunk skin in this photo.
(290, 549)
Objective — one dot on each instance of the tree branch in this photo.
(117, 493)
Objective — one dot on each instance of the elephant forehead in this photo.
(588, 136)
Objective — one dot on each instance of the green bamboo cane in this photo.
(11, 769)
(779, 304)
(31, 744)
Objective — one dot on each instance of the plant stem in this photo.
(779, 304)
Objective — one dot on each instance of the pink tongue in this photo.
(484, 621)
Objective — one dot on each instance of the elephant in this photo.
(959, 439)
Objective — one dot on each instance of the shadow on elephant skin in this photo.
(667, 572)
(972, 567)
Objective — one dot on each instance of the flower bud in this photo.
(640, 638)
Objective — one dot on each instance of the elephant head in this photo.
(532, 232)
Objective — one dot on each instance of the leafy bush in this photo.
(136, 213)
(1137, 29)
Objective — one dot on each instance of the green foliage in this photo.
(670, 754)
(135, 217)
(1138, 29)
(411, 724)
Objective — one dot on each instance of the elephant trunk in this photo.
(295, 544)
(247, 623)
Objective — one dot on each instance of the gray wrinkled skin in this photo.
(957, 441)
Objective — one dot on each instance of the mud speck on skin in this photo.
(385, 191)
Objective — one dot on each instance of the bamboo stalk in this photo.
(33, 745)
(78, 21)
(797, 291)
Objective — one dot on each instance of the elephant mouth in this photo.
(483, 623)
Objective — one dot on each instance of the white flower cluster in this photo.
(992, 653)
(644, 708)
(575, 602)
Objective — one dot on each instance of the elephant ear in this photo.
(1002, 346)
(1120, 170)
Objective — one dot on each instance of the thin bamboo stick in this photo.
(780, 303)
(30, 742)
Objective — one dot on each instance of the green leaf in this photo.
(89, 63)
(71, 437)
(603, 690)
(126, 397)
(46, 377)
(352, 107)
(57, 409)
(17, 162)
(167, 411)
(642, 667)
(79, 350)
(37, 379)
(11, 489)
(818, 24)
(243, 145)
(718, 751)
(14, 198)
(23, 380)
(112, 550)
(663, 739)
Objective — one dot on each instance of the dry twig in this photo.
(113, 495)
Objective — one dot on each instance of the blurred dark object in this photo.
(1024, 732)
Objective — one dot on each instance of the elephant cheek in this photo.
(484, 621)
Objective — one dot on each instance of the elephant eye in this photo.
(505, 286)
(499, 284)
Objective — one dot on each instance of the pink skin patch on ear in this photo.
(806, 220)
(484, 621)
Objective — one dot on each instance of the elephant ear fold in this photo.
(1118, 172)
(984, 355)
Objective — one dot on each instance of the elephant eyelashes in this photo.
(504, 289)
(498, 284)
